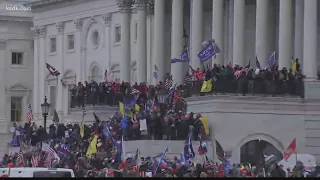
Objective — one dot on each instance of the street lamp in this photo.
(45, 111)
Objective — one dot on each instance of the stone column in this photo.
(3, 76)
(262, 31)
(77, 47)
(61, 100)
(35, 92)
(177, 40)
(310, 39)
(298, 30)
(142, 41)
(312, 86)
(125, 66)
(238, 32)
(107, 44)
(196, 32)
(158, 40)
(217, 28)
(285, 33)
(42, 65)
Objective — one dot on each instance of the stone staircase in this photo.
(154, 147)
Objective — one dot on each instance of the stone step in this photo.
(154, 147)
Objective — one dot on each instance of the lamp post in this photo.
(45, 112)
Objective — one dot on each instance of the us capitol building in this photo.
(83, 38)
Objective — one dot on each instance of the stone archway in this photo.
(115, 72)
(95, 73)
(257, 149)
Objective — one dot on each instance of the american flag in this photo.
(29, 113)
(52, 70)
(50, 152)
(35, 160)
(19, 159)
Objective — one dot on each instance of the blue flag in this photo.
(184, 57)
(106, 131)
(188, 150)
(271, 60)
(210, 50)
(124, 122)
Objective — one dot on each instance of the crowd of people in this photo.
(225, 79)
(64, 147)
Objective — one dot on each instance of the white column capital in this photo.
(125, 5)
(141, 4)
(78, 24)
(107, 19)
(3, 44)
(35, 32)
(60, 26)
(42, 31)
(150, 6)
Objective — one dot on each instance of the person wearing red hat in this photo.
(10, 165)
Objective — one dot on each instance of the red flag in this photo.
(290, 150)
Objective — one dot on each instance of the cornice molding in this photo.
(76, 15)
(260, 105)
(107, 19)
(78, 24)
(16, 19)
(3, 44)
(60, 26)
(42, 31)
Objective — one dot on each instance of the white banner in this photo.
(143, 125)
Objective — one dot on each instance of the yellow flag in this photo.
(205, 123)
(121, 108)
(92, 149)
(82, 127)
(137, 107)
(294, 66)
(206, 86)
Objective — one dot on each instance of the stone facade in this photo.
(16, 64)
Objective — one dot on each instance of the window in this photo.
(53, 47)
(136, 32)
(118, 34)
(95, 38)
(17, 58)
(70, 42)
(16, 108)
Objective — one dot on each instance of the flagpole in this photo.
(296, 151)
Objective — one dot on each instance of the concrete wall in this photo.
(154, 147)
